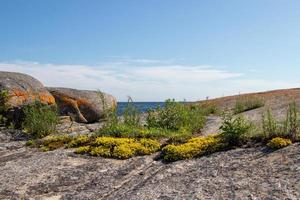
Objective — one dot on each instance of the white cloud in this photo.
(145, 80)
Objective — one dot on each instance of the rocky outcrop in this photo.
(251, 173)
(83, 105)
(23, 89)
(67, 126)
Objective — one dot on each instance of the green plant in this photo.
(131, 114)
(234, 128)
(247, 103)
(278, 143)
(288, 128)
(125, 131)
(175, 116)
(291, 124)
(4, 97)
(269, 124)
(30, 143)
(39, 119)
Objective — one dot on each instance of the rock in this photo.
(250, 173)
(82, 105)
(72, 128)
(23, 89)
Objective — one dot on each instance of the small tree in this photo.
(234, 128)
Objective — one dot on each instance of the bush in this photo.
(247, 103)
(175, 116)
(194, 147)
(278, 143)
(39, 119)
(4, 97)
(234, 129)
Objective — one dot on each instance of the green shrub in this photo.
(278, 143)
(175, 116)
(39, 119)
(193, 148)
(4, 97)
(125, 131)
(247, 103)
(234, 129)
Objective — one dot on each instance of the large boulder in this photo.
(23, 89)
(83, 106)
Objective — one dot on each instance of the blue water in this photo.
(141, 106)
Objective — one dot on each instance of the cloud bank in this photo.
(146, 80)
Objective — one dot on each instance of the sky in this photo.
(153, 50)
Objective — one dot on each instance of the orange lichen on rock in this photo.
(68, 100)
(18, 97)
(46, 98)
(83, 102)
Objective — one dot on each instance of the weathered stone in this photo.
(83, 105)
(23, 89)
(252, 173)
(72, 128)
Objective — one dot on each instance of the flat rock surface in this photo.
(252, 173)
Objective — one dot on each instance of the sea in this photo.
(141, 106)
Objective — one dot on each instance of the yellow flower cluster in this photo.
(194, 147)
(121, 148)
(278, 143)
(54, 142)
(79, 141)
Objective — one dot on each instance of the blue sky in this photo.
(153, 49)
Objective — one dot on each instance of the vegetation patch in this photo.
(278, 143)
(175, 116)
(193, 148)
(244, 104)
(4, 97)
(288, 128)
(108, 147)
(173, 125)
(234, 129)
(120, 148)
(39, 119)
(54, 142)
